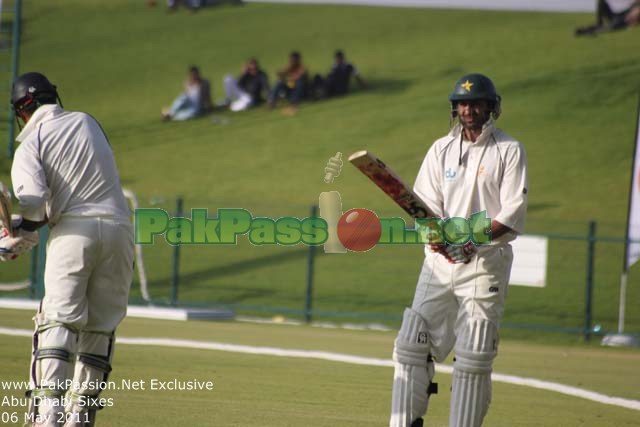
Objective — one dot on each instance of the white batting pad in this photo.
(470, 398)
(51, 366)
(95, 351)
(476, 347)
(412, 372)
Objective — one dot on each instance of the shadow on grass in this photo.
(160, 133)
(386, 86)
(536, 207)
(239, 267)
(624, 72)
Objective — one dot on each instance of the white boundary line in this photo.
(521, 5)
(356, 360)
(148, 312)
(15, 286)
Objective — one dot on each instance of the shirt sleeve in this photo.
(29, 182)
(514, 190)
(428, 183)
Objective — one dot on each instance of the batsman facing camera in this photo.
(460, 295)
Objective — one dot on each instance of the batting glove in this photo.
(21, 241)
(456, 254)
(462, 253)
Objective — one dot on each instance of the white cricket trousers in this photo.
(88, 272)
(448, 295)
(240, 100)
(87, 279)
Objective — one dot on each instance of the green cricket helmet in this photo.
(473, 87)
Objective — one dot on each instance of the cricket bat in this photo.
(5, 212)
(387, 180)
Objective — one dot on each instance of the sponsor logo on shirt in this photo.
(449, 175)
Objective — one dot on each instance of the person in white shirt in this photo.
(64, 174)
(194, 101)
(460, 295)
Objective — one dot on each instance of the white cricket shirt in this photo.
(65, 166)
(459, 178)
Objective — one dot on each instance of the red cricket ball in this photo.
(359, 229)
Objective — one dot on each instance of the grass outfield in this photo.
(572, 102)
(281, 391)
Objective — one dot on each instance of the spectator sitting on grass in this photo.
(337, 81)
(194, 101)
(612, 15)
(195, 4)
(247, 91)
(292, 84)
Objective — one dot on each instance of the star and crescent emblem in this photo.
(467, 85)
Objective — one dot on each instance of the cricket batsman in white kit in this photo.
(461, 291)
(64, 174)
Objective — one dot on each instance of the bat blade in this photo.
(389, 182)
(5, 212)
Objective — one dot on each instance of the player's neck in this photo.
(471, 134)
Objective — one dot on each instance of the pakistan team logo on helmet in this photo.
(472, 87)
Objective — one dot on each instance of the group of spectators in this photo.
(294, 83)
(192, 5)
(251, 88)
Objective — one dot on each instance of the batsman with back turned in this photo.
(64, 174)
(461, 290)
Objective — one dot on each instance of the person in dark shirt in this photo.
(337, 81)
(248, 90)
(292, 84)
(612, 16)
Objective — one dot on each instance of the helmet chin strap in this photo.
(453, 115)
(20, 115)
